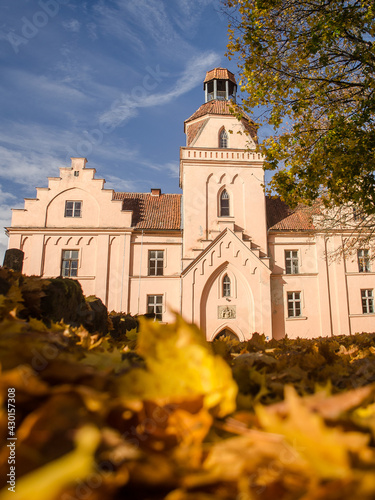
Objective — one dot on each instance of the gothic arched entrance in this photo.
(226, 333)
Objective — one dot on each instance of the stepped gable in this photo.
(152, 211)
(280, 217)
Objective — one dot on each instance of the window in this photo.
(294, 304)
(224, 203)
(367, 301)
(155, 262)
(226, 286)
(223, 139)
(363, 261)
(69, 264)
(291, 262)
(155, 306)
(76, 173)
(73, 208)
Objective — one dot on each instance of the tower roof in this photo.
(213, 107)
(220, 74)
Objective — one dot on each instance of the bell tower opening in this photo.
(220, 84)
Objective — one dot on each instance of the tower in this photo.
(224, 214)
(221, 174)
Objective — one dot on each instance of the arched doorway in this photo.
(226, 333)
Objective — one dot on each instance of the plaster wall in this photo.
(238, 138)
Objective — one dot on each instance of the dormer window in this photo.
(224, 204)
(223, 139)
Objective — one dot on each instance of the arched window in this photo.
(223, 139)
(224, 203)
(226, 286)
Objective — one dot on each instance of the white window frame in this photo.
(69, 271)
(291, 261)
(75, 210)
(367, 297)
(153, 302)
(157, 259)
(294, 300)
(363, 256)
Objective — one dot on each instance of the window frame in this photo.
(367, 299)
(152, 306)
(72, 271)
(227, 200)
(223, 139)
(226, 286)
(159, 263)
(363, 260)
(75, 212)
(291, 262)
(293, 300)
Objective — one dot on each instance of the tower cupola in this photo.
(220, 84)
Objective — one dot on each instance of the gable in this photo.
(240, 254)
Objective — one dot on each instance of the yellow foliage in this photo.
(46, 482)
(180, 363)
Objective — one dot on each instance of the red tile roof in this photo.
(213, 107)
(193, 130)
(280, 217)
(220, 74)
(218, 107)
(152, 212)
(164, 212)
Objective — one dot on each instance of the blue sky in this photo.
(111, 80)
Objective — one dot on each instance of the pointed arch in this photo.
(224, 203)
(223, 138)
(227, 270)
(226, 332)
(232, 330)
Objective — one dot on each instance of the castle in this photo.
(222, 254)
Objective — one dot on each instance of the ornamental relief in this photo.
(226, 312)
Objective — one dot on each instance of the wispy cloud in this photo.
(170, 169)
(73, 25)
(112, 22)
(45, 87)
(127, 106)
(92, 31)
(118, 184)
(127, 20)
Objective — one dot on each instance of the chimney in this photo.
(155, 191)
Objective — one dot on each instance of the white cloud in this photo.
(47, 87)
(114, 23)
(121, 185)
(91, 30)
(172, 168)
(73, 25)
(126, 107)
